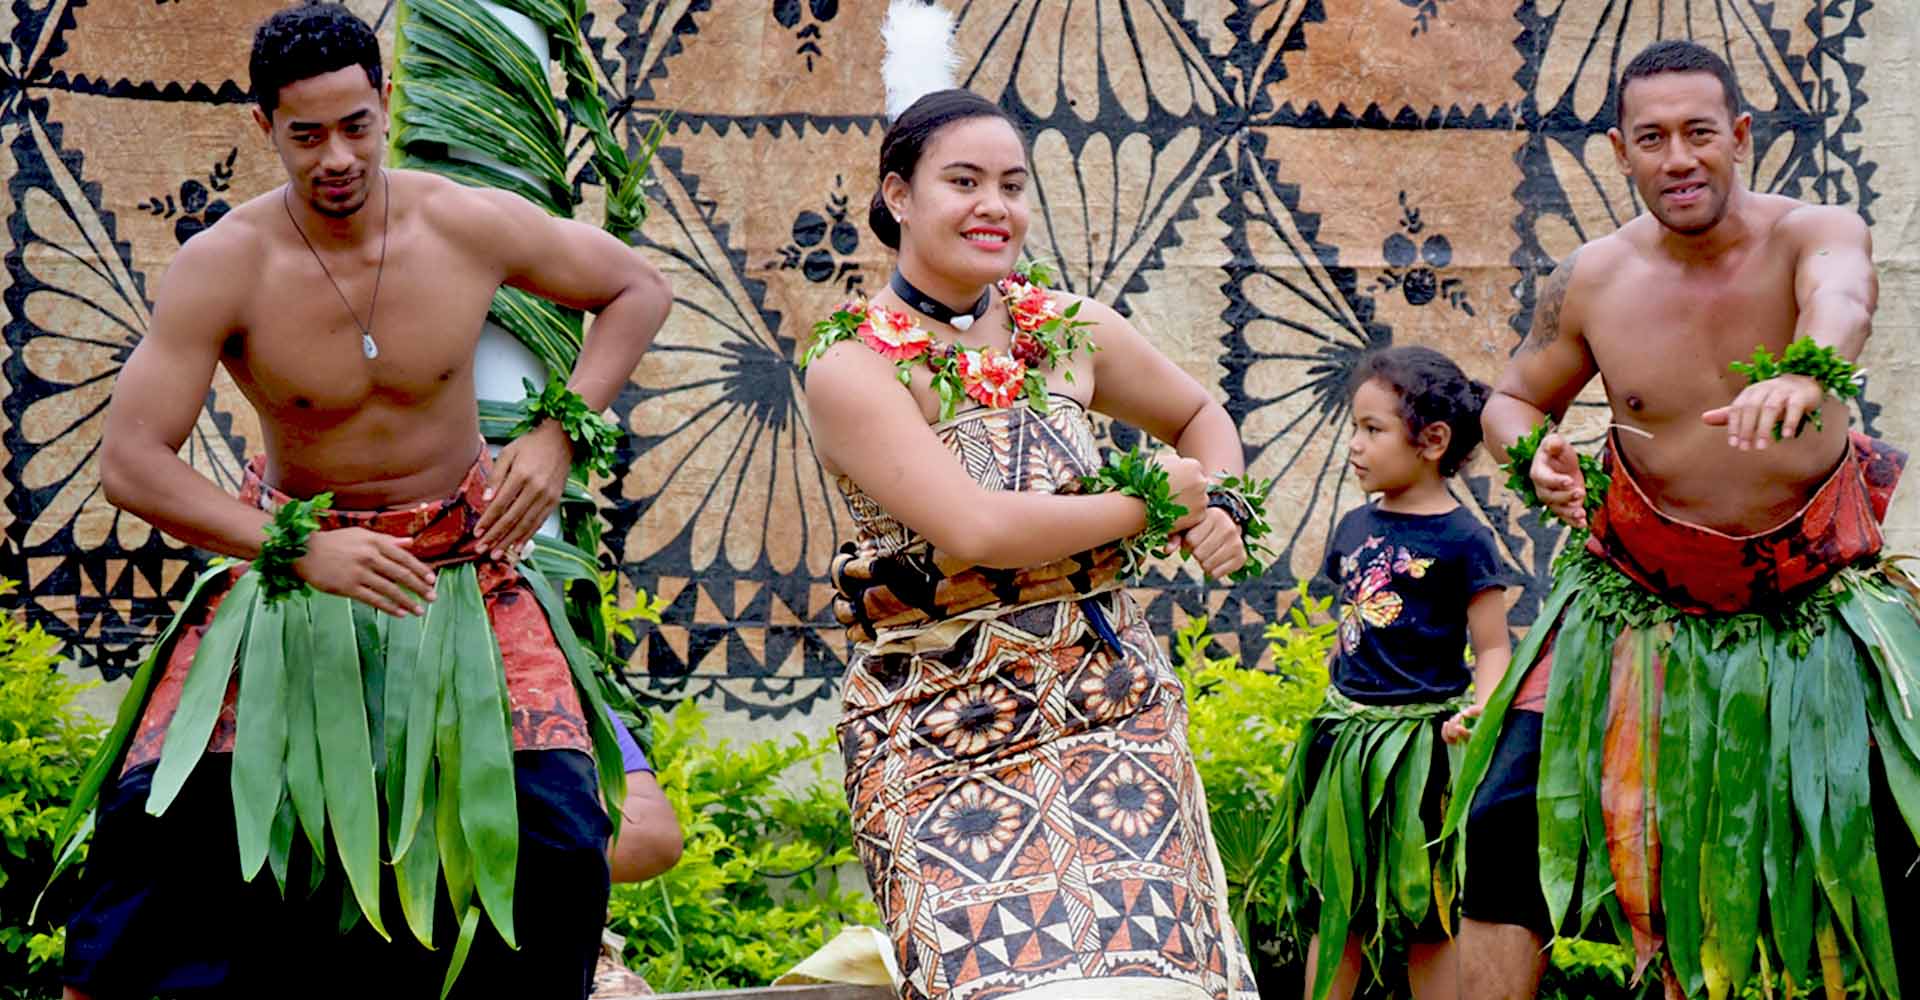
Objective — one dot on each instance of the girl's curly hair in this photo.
(1432, 390)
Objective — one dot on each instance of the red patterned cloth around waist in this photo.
(918, 587)
(545, 707)
(1702, 571)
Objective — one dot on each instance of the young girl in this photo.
(1415, 576)
(1022, 793)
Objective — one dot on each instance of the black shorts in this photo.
(1503, 828)
(162, 910)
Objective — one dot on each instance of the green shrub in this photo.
(768, 874)
(45, 744)
(1585, 970)
(1243, 725)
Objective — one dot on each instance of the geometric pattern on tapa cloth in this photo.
(1001, 449)
(1267, 189)
(893, 584)
(1027, 809)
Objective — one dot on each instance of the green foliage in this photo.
(1243, 724)
(1134, 473)
(595, 437)
(765, 878)
(1589, 970)
(1519, 469)
(616, 617)
(45, 743)
(286, 543)
(1040, 271)
(1824, 365)
(1250, 495)
(462, 80)
(1586, 970)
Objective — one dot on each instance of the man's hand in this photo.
(1216, 543)
(1782, 401)
(369, 567)
(528, 480)
(1455, 729)
(1559, 482)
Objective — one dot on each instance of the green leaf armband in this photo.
(596, 439)
(1835, 374)
(1519, 469)
(1136, 474)
(286, 542)
(1245, 501)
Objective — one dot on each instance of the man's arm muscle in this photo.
(574, 265)
(1834, 282)
(1549, 370)
(158, 397)
(583, 267)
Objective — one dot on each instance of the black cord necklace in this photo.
(367, 346)
(935, 309)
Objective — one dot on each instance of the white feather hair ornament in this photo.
(920, 58)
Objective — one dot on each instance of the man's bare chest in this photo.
(1663, 348)
(304, 351)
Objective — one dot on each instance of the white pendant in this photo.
(962, 322)
(368, 347)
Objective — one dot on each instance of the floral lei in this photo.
(1044, 337)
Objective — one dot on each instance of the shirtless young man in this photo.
(347, 305)
(1710, 521)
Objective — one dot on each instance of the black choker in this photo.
(935, 309)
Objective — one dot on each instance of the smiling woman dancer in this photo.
(1023, 796)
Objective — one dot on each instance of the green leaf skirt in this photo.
(1705, 779)
(386, 742)
(1359, 791)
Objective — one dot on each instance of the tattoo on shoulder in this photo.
(1547, 306)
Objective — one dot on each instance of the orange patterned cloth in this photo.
(1700, 570)
(546, 709)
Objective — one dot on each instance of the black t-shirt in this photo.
(1403, 582)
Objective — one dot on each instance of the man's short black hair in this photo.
(1677, 55)
(310, 40)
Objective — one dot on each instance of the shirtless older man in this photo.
(347, 304)
(1718, 674)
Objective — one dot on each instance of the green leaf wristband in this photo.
(1835, 374)
(286, 542)
(1519, 469)
(1135, 474)
(1245, 500)
(596, 439)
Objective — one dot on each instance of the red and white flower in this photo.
(990, 377)
(1030, 305)
(894, 334)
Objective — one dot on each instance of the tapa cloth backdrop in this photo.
(1267, 188)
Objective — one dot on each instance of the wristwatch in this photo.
(1236, 508)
